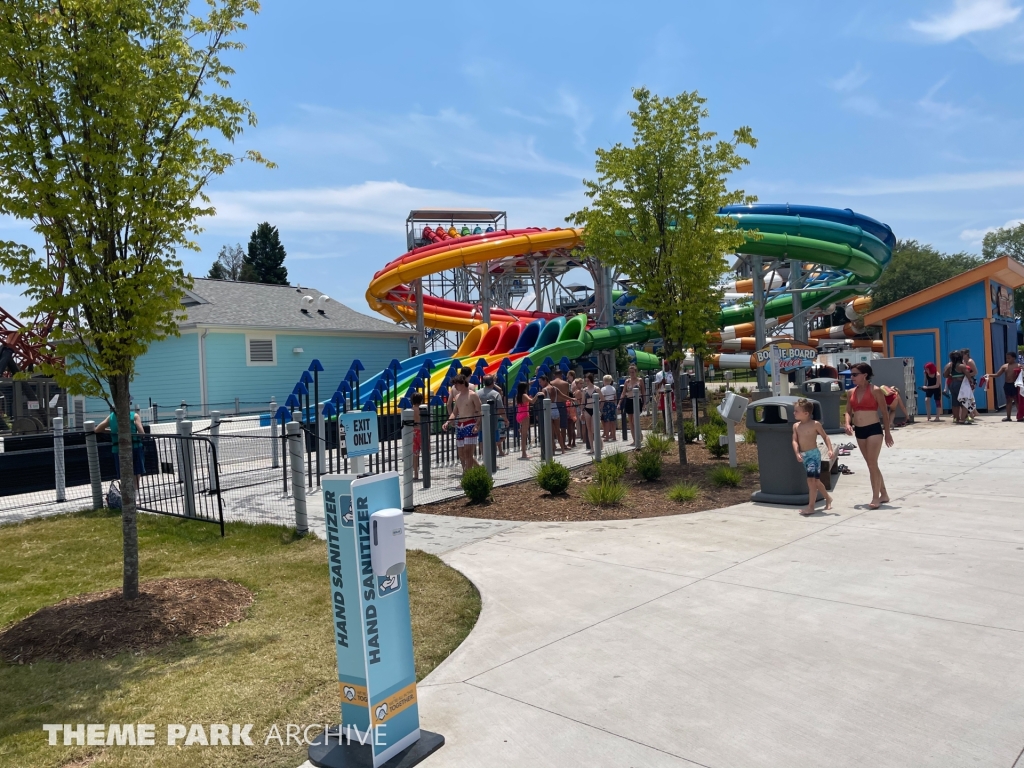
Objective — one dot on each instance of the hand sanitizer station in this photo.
(372, 628)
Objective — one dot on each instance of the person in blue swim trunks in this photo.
(805, 446)
(465, 415)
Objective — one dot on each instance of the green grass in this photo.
(683, 492)
(723, 476)
(659, 443)
(750, 466)
(606, 494)
(277, 666)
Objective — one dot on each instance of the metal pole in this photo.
(274, 458)
(179, 416)
(485, 291)
(93, 455)
(408, 426)
(596, 400)
(637, 434)
(215, 439)
(757, 270)
(421, 335)
(425, 417)
(321, 435)
(58, 454)
(732, 441)
(294, 431)
(185, 470)
(486, 437)
(796, 281)
(549, 446)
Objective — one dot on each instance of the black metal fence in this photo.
(187, 482)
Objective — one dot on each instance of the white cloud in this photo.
(851, 81)
(571, 107)
(864, 105)
(375, 207)
(965, 17)
(942, 182)
(941, 110)
(975, 236)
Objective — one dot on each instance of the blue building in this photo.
(973, 310)
(252, 342)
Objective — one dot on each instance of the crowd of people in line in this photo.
(574, 399)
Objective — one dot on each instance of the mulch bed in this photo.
(526, 501)
(103, 624)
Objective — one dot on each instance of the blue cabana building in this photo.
(973, 310)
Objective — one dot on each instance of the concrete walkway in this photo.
(750, 636)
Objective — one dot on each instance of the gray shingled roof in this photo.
(256, 305)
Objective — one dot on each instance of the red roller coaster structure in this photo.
(24, 346)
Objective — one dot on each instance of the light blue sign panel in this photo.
(361, 433)
(386, 627)
(345, 606)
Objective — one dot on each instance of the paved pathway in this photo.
(749, 636)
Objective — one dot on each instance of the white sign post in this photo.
(776, 370)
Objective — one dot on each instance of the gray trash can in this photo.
(783, 480)
(828, 393)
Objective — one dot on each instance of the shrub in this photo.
(620, 459)
(477, 484)
(606, 494)
(684, 491)
(711, 433)
(750, 466)
(714, 417)
(690, 431)
(743, 390)
(608, 471)
(647, 464)
(722, 476)
(553, 477)
(658, 443)
(750, 436)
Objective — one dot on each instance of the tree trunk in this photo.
(677, 388)
(129, 531)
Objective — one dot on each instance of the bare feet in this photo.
(828, 503)
(874, 504)
(806, 512)
(885, 500)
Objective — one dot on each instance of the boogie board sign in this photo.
(792, 355)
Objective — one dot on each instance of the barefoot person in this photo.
(805, 446)
(558, 390)
(865, 403)
(608, 409)
(932, 391)
(465, 412)
(1011, 368)
(523, 403)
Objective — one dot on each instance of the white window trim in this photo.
(260, 337)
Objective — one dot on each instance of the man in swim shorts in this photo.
(465, 413)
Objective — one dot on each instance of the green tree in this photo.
(229, 263)
(654, 215)
(1007, 241)
(108, 112)
(266, 255)
(916, 266)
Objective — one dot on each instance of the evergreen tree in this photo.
(916, 266)
(266, 256)
(217, 272)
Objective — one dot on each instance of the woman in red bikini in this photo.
(865, 402)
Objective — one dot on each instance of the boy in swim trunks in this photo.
(805, 446)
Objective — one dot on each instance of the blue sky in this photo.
(909, 112)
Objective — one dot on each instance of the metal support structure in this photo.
(486, 437)
(732, 442)
(408, 427)
(185, 470)
(796, 282)
(548, 446)
(538, 303)
(421, 328)
(58, 455)
(757, 270)
(92, 454)
(275, 460)
(425, 417)
(295, 439)
(215, 439)
(637, 433)
(321, 442)
(485, 291)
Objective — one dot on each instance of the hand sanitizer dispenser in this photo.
(387, 542)
(733, 407)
